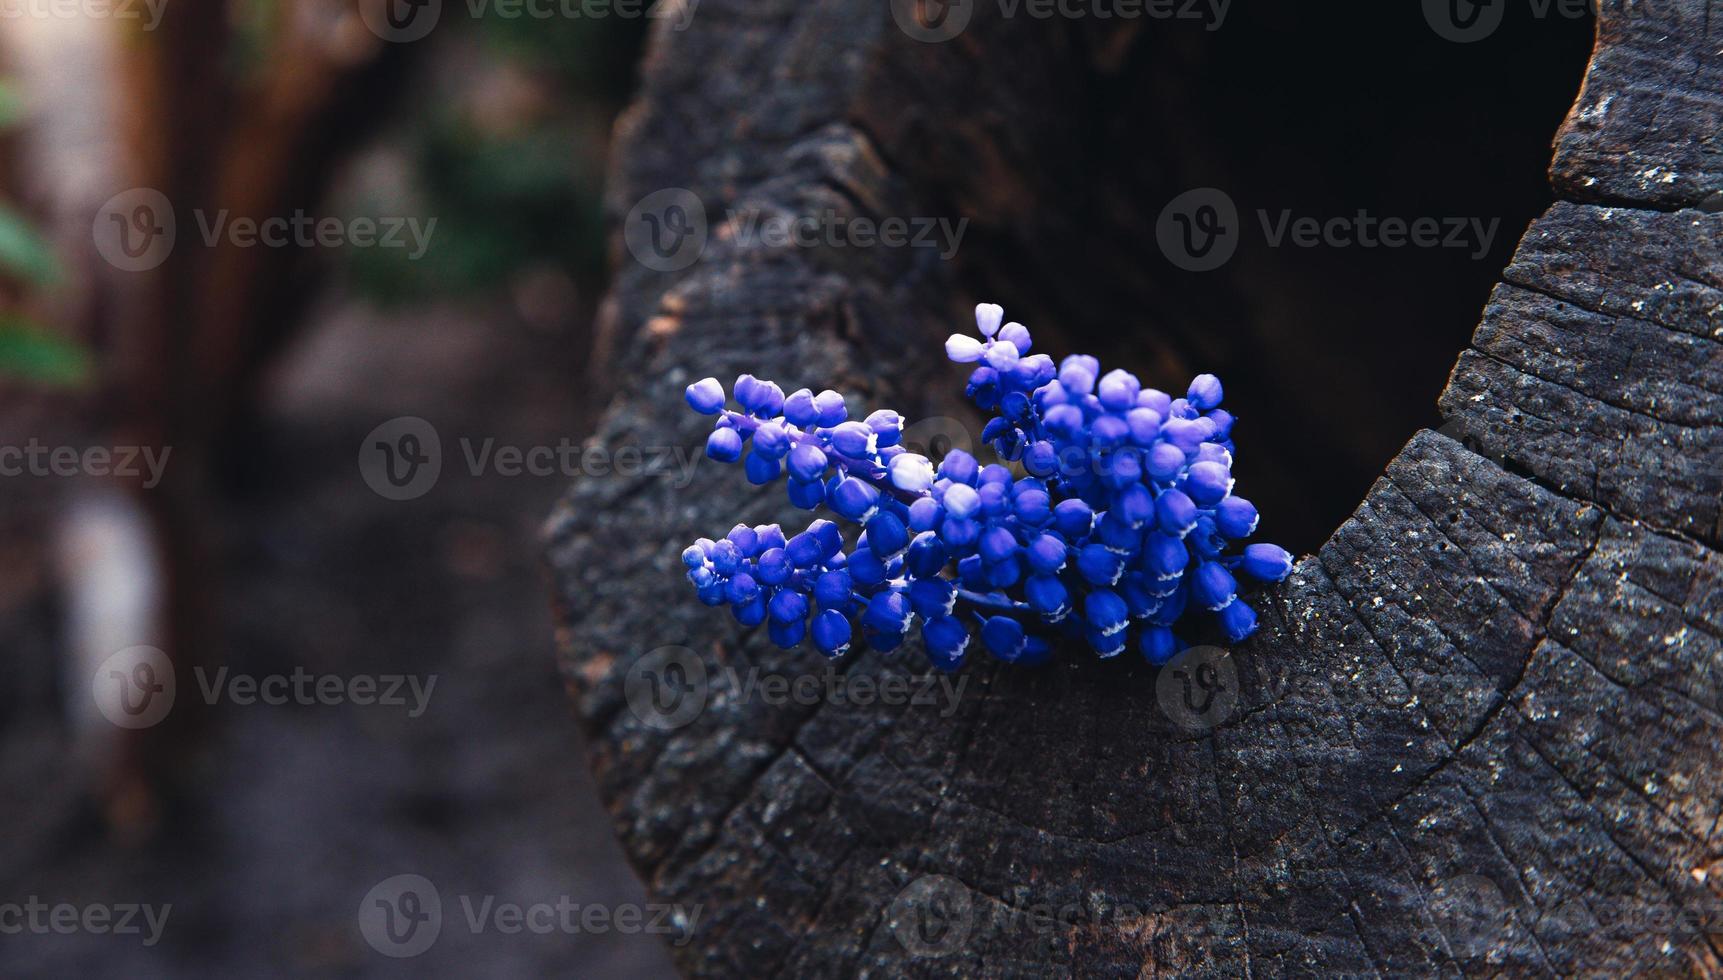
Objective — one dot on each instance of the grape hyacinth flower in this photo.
(1114, 522)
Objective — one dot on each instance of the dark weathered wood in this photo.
(1476, 733)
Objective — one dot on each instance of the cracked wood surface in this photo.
(1477, 731)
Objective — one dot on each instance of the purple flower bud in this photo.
(1165, 461)
(1207, 482)
(724, 445)
(946, 640)
(833, 589)
(1001, 355)
(959, 467)
(1047, 553)
(1073, 518)
(1003, 637)
(1236, 517)
(1145, 424)
(854, 439)
(807, 462)
(925, 514)
(799, 409)
(1239, 621)
(1157, 644)
(1205, 392)
(1017, 335)
(705, 396)
(807, 494)
(886, 534)
(961, 500)
(1212, 586)
(927, 555)
(831, 407)
(888, 612)
(888, 425)
(932, 597)
(1048, 596)
(787, 605)
(1176, 513)
(1118, 391)
(997, 543)
(831, 632)
(1269, 562)
(761, 469)
(771, 440)
(1099, 565)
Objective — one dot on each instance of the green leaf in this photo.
(24, 253)
(33, 354)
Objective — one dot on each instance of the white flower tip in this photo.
(963, 349)
(987, 318)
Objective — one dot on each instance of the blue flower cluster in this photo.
(1113, 522)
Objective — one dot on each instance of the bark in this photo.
(1477, 730)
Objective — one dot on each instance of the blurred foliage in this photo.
(23, 253)
(28, 352)
(515, 193)
(32, 354)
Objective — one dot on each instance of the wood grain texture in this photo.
(1476, 733)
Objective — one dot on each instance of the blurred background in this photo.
(138, 314)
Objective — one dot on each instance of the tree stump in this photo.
(1478, 729)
